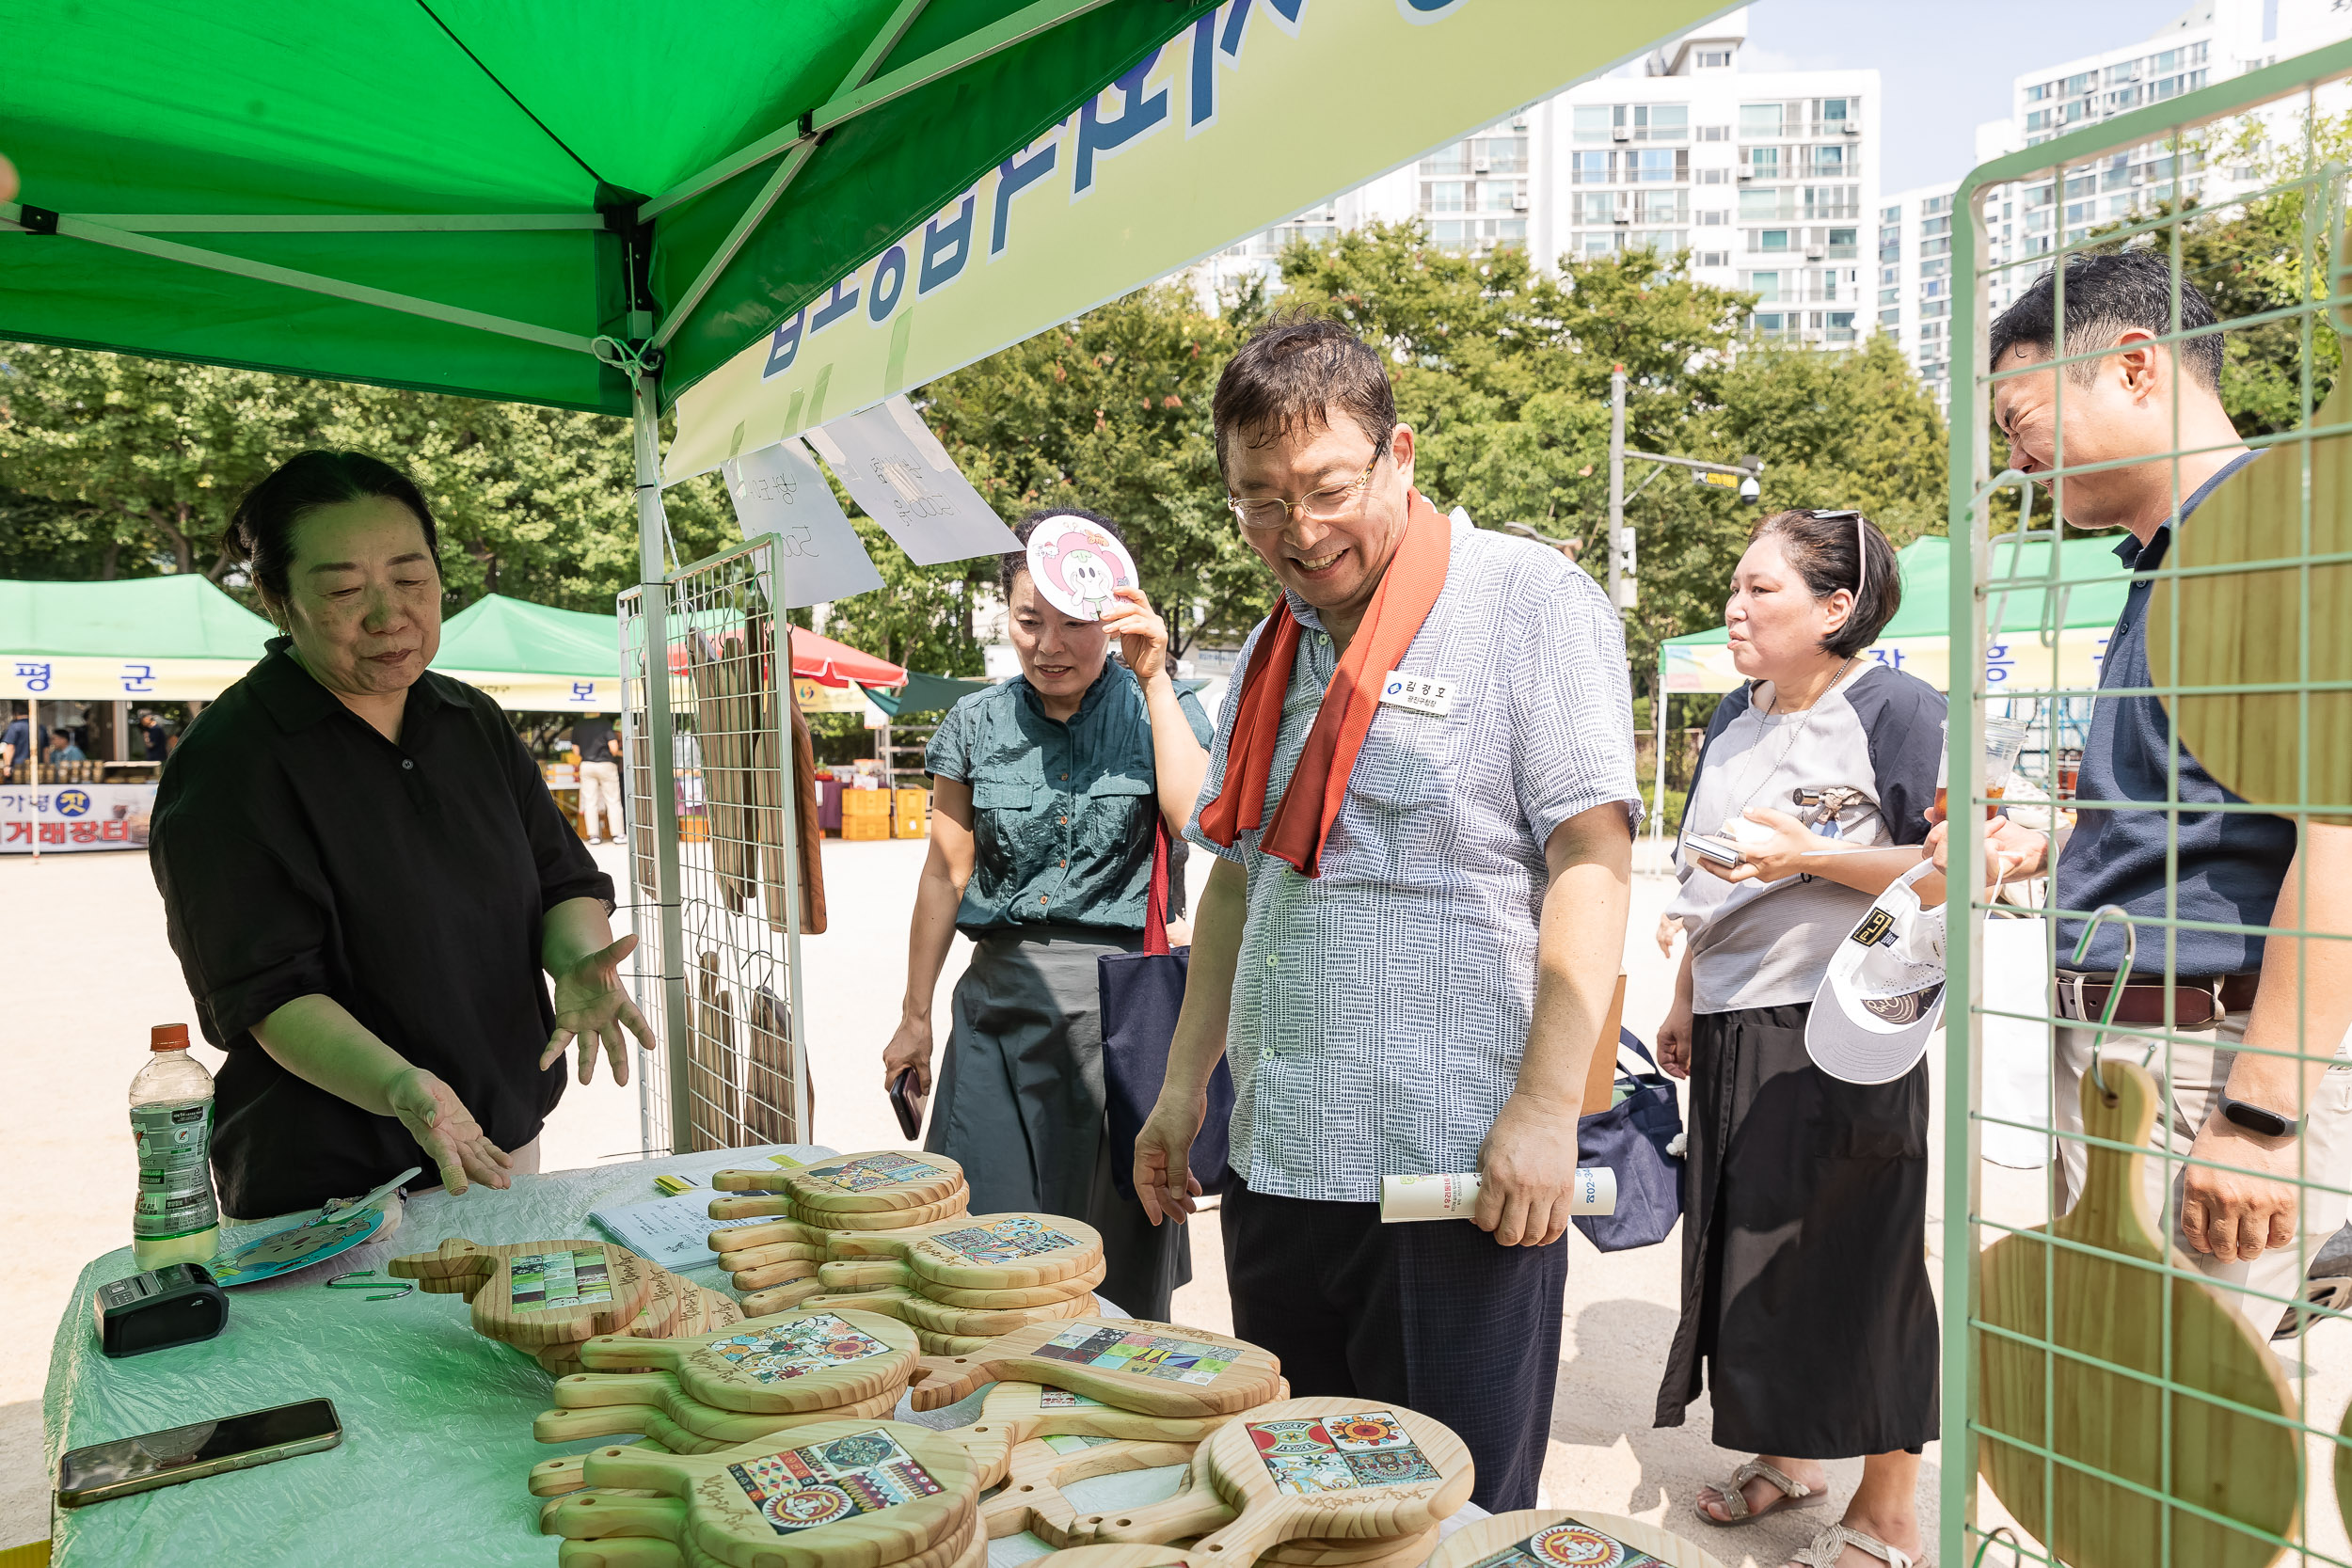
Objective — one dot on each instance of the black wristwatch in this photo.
(2268, 1124)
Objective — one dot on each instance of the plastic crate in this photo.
(864, 803)
(865, 830)
(912, 816)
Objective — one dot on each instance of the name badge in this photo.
(1416, 694)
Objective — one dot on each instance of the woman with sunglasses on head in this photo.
(1804, 1285)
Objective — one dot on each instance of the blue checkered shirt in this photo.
(1381, 1008)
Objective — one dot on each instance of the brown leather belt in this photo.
(2196, 1003)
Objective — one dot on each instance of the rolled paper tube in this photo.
(1453, 1197)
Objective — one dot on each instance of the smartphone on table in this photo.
(128, 1465)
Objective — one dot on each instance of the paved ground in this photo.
(88, 971)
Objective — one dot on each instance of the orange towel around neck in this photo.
(1302, 820)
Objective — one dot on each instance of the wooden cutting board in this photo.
(589, 1390)
(1335, 1469)
(1556, 1538)
(683, 1425)
(557, 1478)
(986, 1252)
(1158, 1369)
(864, 1273)
(2110, 1309)
(1017, 1413)
(667, 1539)
(920, 1311)
(836, 1494)
(738, 1255)
(776, 1272)
(535, 1293)
(2248, 628)
(1032, 1496)
(785, 1362)
(701, 1310)
(782, 1298)
(747, 1206)
(877, 1182)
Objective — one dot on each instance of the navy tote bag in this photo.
(1631, 1138)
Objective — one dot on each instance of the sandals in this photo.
(1831, 1545)
(1794, 1494)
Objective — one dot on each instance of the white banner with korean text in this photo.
(62, 818)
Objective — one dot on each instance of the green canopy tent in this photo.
(532, 658)
(169, 639)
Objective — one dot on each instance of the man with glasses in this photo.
(1422, 796)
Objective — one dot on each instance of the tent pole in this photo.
(654, 595)
(1657, 782)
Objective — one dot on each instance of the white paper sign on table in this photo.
(897, 470)
(668, 1230)
(778, 490)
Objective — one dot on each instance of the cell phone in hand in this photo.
(128, 1465)
(907, 1101)
(1720, 850)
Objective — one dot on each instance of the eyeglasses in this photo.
(1861, 546)
(1326, 505)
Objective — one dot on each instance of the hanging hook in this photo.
(2007, 1537)
(2115, 988)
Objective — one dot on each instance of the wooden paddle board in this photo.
(1566, 1538)
(766, 1276)
(2249, 628)
(2111, 1308)
(683, 1425)
(920, 1311)
(880, 1180)
(754, 1255)
(534, 1293)
(782, 1298)
(1016, 1413)
(701, 1310)
(781, 1211)
(1032, 1498)
(836, 1494)
(668, 1541)
(557, 1478)
(987, 1252)
(868, 1273)
(786, 1362)
(1158, 1369)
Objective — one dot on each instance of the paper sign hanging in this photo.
(896, 468)
(1076, 565)
(778, 490)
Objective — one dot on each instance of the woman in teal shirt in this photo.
(1045, 790)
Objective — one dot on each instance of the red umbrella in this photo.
(823, 661)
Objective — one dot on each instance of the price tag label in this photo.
(1416, 694)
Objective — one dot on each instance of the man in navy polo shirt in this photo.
(2267, 1118)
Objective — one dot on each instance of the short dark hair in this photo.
(2108, 295)
(1824, 548)
(1290, 376)
(1012, 563)
(262, 527)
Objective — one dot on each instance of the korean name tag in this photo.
(1417, 693)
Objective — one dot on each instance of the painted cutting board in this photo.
(556, 1478)
(681, 1425)
(987, 1252)
(1016, 1413)
(1556, 1538)
(837, 1495)
(820, 1225)
(2248, 628)
(617, 1510)
(920, 1311)
(701, 1310)
(877, 1182)
(786, 1362)
(1158, 1369)
(773, 1273)
(867, 1272)
(534, 1293)
(1334, 1470)
(2110, 1307)
(1032, 1498)
(588, 1390)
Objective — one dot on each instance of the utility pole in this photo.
(1617, 485)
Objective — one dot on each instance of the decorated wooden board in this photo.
(784, 1362)
(986, 1252)
(667, 1540)
(1401, 1551)
(557, 1478)
(836, 1494)
(1158, 1369)
(2250, 629)
(766, 1276)
(588, 1390)
(683, 1425)
(1017, 1413)
(920, 1311)
(868, 1273)
(534, 1293)
(1032, 1498)
(737, 1256)
(819, 1226)
(1334, 1469)
(2112, 1309)
(701, 1310)
(1570, 1538)
(880, 1180)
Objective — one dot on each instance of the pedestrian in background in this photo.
(599, 778)
(1806, 1302)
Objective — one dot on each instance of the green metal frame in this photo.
(1971, 492)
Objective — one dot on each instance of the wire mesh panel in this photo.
(719, 869)
(2114, 1394)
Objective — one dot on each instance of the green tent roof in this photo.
(461, 197)
(150, 618)
(496, 633)
(1927, 565)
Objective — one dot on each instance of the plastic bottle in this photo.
(177, 1219)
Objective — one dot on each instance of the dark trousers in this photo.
(1433, 1316)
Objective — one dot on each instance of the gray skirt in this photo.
(1020, 1103)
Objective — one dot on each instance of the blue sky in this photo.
(1945, 64)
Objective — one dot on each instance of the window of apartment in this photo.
(1712, 132)
(1935, 268)
(1657, 207)
(1592, 121)
(1499, 156)
(1842, 243)
(1840, 329)
(1837, 109)
(1890, 214)
(1592, 207)
(1712, 216)
(1932, 287)
(1663, 241)
(1714, 258)
(1764, 285)
(1770, 239)
(1661, 121)
(1832, 201)
(2038, 196)
(1589, 169)
(1934, 308)
(1714, 59)
(1932, 204)
(1829, 163)
(1935, 226)
(1657, 166)
(2040, 91)
(1890, 274)
(1711, 177)
(1935, 247)
(1763, 162)
(2128, 71)
(1448, 160)
(1890, 318)
(2121, 99)
(1598, 242)
(1929, 330)
(1759, 204)
(1760, 120)
(2081, 82)
(1890, 297)
(1441, 196)
(1771, 322)
(2082, 184)
(2037, 119)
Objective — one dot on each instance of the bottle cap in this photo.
(168, 1037)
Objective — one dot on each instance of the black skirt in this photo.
(1805, 1279)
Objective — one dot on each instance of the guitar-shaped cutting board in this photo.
(864, 1273)
(787, 1362)
(1016, 1413)
(1158, 1369)
(2111, 1308)
(824, 1222)
(633, 1511)
(921, 1312)
(535, 1293)
(683, 1425)
(986, 1252)
(1570, 1538)
(1032, 1498)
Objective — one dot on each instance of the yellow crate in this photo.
(865, 830)
(864, 803)
(912, 817)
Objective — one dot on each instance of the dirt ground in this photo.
(88, 971)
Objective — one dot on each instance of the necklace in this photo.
(1796, 733)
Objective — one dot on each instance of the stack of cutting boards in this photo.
(879, 1190)
(545, 1298)
(964, 1282)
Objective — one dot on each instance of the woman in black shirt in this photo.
(363, 875)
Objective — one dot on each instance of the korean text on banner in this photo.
(57, 818)
(895, 468)
(778, 490)
(1260, 110)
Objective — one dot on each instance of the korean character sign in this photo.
(71, 818)
(34, 674)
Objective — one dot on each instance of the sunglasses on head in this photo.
(1861, 546)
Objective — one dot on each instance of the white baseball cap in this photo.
(1883, 994)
